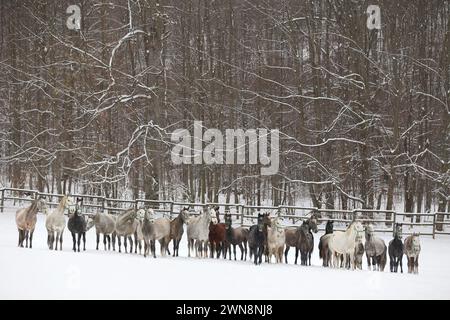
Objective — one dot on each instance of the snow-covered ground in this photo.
(39, 273)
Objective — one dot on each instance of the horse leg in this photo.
(131, 244)
(234, 251)
(104, 241)
(245, 250)
(286, 251)
(26, 238)
(73, 241)
(416, 265)
(84, 241)
(113, 236)
(109, 241)
(189, 247)
(153, 242)
(125, 242)
(174, 247)
(162, 243)
(97, 236)
(119, 243)
(31, 238)
(241, 247)
(60, 240)
(401, 263)
(296, 255)
(79, 241)
(21, 235)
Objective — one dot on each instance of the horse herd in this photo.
(205, 232)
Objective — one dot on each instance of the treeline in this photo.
(363, 114)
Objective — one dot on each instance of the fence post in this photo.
(242, 214)
(3, 199)
(434, 224)
(394, 215)
(103, 204)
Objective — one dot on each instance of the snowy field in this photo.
(39, 273)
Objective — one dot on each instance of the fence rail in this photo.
(243, 213)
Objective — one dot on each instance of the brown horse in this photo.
(26, 221)
(291, 235)
(235, 237)
(176, 229)
(216, 235)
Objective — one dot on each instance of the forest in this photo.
(363, 113)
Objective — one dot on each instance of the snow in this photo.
(39, 273)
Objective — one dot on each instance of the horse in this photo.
(344, 242)
(105, 224)
(126, 225)
(395, 249)
(291, 236)
(306, 241)
(26, 221)
(216, 236)
(235, 237)
(155, 229)
(359, 253)
(176, 229)
(412, 251)
(56, 222)
(375, 250)
(275, 240)
(257, 238)
(198, 231)
(77, 224)
(324, 252)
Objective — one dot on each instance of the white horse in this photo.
(344, 243)
(198, 230)
(276, 239)
(56, 222)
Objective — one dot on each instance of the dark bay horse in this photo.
(176, 229)
(305, 242)
(323, 243)
(235, 237)
(78, 225)
(257, 239)
(395, 249)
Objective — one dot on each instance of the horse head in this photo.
(69, 203)
(260, 222)
(184, 213)
(313, 223)
(358, 228)
(140, 214)
(398, 231)
(228, 221)
(213, 215)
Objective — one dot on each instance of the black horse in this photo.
(395, 249)
(257, 239)
(77, 225)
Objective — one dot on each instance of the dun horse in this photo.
(105, 224)
(235, 237)
(56, 222)
(375, 250)
(153, 230)
(26, 221)
(412, 251)
(126, 226)
(395, 249)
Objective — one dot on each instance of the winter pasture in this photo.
(39, 273)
